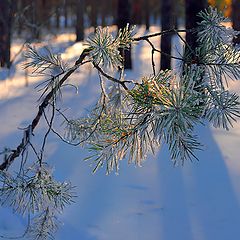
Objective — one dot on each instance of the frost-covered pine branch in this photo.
(130, 119)
(35, 192)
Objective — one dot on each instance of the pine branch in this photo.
(170, 31)
(20, 148)
(122, 83)
(126, 122)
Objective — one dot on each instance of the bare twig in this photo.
(46, 134)
(58, 134)
(159, 34)
(20, 148)
(122, 83)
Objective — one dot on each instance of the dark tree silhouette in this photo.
(58, 14)
(6, 10)
(147, 14)
(94, 13)
(236, 18)
(34, 11)
(65, 9)
(80, 20)
(123, 18)
(192, 8)
(166, 23)
(103, 10)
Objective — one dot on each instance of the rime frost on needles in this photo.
(163, 108)
(105, 47)
(131, 118)
(36, 192)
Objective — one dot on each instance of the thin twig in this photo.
(160, 33)
(185, 42)
(46, 134)
(122, 83)
(15, 153)
(58, 134)
(153, 50)
(159, 51)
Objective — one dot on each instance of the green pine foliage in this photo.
(130, 119)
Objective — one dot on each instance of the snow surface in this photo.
(199, 201)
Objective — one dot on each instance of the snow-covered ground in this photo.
(199, 201)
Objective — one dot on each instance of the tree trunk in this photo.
(236, 19)
(103, 12)
(46, 9)
(5, 32)
(57, 11)
(80, 20)
(19, 24)
(123, 19)
(65, 13)
(147, 14)
(192, 8)
(166, 45)
(94, 14)
(35, 29)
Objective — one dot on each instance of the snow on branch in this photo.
(130, 119)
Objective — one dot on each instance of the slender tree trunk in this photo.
(155, 17)
(46, 12)
(236, 19)
(94, 14)
(57, 16)
(19, 9)
(5, 32)
(80, 20)
(103, 12)
(147, 14)
(65, 13)
(192, 8)
(35, 19)
(122, 20)
(167, 23)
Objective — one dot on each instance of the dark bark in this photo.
(166, 45)
(15, 153)
(147, 14)
(65, 13)
(94, 14)
(192, 8)
(6, 12)
(20, 23)
(103, 12)
(236, 19)
(123, 18)
(80, 20)
(57, 12)
(136, 12)
(46, 13)
(35, 29)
